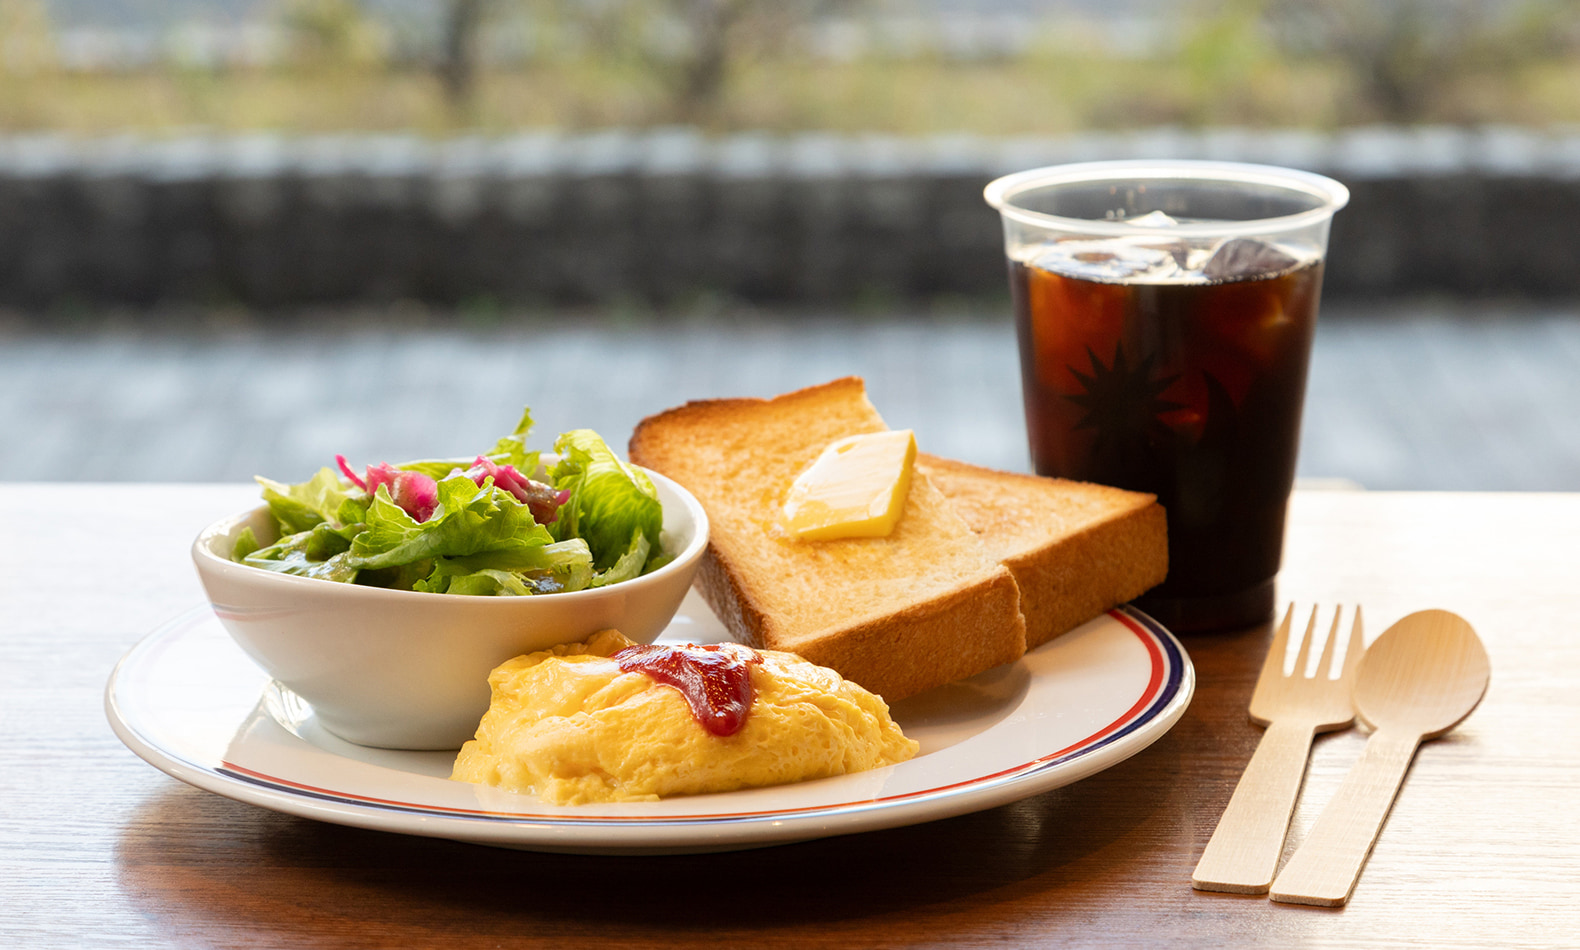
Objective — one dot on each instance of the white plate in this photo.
(188, 701)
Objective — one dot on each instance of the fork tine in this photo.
(1304, 655)
(1325, 669)
(1272, 670)
(1357, 645)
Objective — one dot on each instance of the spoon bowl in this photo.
(1425, 674)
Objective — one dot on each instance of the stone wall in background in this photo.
(663, 215)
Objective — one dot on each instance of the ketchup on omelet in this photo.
(714, 679)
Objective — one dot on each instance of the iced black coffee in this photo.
(1165, 358)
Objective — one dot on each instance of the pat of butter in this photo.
(855, 489)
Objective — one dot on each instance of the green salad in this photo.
(503, 525)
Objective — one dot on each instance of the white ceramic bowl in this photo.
(406, 670)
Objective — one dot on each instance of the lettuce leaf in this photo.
(509, 450)
(300, 507)
(480, 539)
(484, 583)
(469, 519)
(628, 565)
(561, 566)
(512, 449)
(612, 505)
(436, 469)
(246, 543)
(317, 552)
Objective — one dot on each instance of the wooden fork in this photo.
(1243, 853)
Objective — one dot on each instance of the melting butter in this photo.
(855, 489)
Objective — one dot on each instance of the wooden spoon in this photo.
(1420, 679)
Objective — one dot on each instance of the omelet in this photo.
(570, 726)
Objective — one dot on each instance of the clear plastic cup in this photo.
(1165, 312)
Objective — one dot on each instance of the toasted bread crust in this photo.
(899, 615)
(1076, 549)
(885, 650)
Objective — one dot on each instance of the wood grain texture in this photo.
(1242, 855)
(1323, 873)
(1421, 678)
(1482, 847)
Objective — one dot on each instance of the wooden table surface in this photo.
(1482, 849)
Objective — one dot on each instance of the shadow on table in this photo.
(211, 869)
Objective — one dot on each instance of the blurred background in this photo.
(240, 236)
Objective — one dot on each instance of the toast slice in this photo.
(925, 606)
(1076, 549)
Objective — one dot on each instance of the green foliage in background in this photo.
(498, 65)
(331, 35)
(1404, 60)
